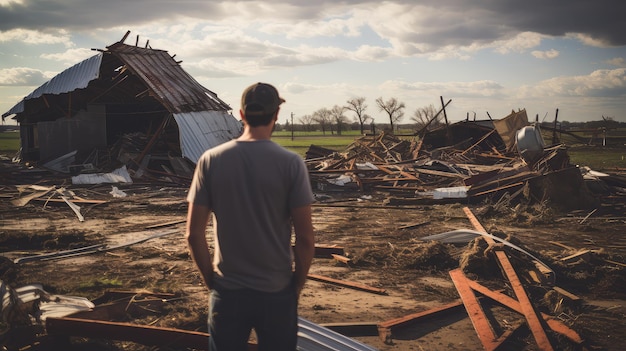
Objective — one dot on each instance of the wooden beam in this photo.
(411, 226)
(582, 254)
(386, 328)
(514, 305)
(146, 335)
(353, 329)
(347, 284)
(481, 324)
(526, 306)
(340, 258)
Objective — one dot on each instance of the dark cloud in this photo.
(602, 20)
(80, 14)
(450, 22)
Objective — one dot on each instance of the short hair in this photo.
(256, 119)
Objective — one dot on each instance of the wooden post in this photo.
(554, 138)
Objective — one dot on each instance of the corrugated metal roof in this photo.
(313, 337)
(200, 131)
(75, 77)
(176, 89)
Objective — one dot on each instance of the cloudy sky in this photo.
(487, 56)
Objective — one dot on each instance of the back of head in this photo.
(259, 103)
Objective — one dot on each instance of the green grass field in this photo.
(9, 142)
(596, 157)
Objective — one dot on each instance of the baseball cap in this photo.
(259, 99)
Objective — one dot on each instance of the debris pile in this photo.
(132, 158)
(466, 161)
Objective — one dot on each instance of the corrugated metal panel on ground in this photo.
(200, 131)
(75, 77)
(313, 337)
(172, 85)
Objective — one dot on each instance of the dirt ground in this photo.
(383, 243)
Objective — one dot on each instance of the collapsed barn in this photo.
(125, 102)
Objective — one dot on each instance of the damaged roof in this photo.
(75, 77)
(168, 83)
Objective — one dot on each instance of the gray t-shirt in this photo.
(251, 187)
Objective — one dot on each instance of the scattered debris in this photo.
(464, 162)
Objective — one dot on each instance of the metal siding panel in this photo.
(313, 337)
(200, 131)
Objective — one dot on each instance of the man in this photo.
(256, 190)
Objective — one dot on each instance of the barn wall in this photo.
(83, 132)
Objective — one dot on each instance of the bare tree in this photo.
(306, 121)
(423, 115)
(393, 108)
(358, 106)
(322, 117)
(337, 115)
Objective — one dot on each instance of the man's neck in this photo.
(256, 133)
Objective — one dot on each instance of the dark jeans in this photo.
(233, 314)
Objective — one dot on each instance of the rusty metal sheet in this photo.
(171, 85)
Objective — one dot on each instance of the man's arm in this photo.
(305, 244)
(197, 221)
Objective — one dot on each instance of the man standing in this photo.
(256, 190)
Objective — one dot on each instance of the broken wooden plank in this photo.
(353, 329)
(615, 263)
(481, 324)
(526, 306)
(582, 254)
(40, 191)
(166, 224)
(514, 305)
(411, 226)
(386, 328)
(340, 258)
(83, 201)
(143, 334)
(587, 216)
(562, 245)
(567, 294)
(347, 284)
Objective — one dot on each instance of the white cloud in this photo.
(617, 62)
(328, 27)
(371, 53)
(589, 40)
(71, 56)
(601, 82)
(484, 88)
(22, 76)
(550, 54)
(11, 2)
(36, 37)
(520, 43)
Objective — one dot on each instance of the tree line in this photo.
(353, 114)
